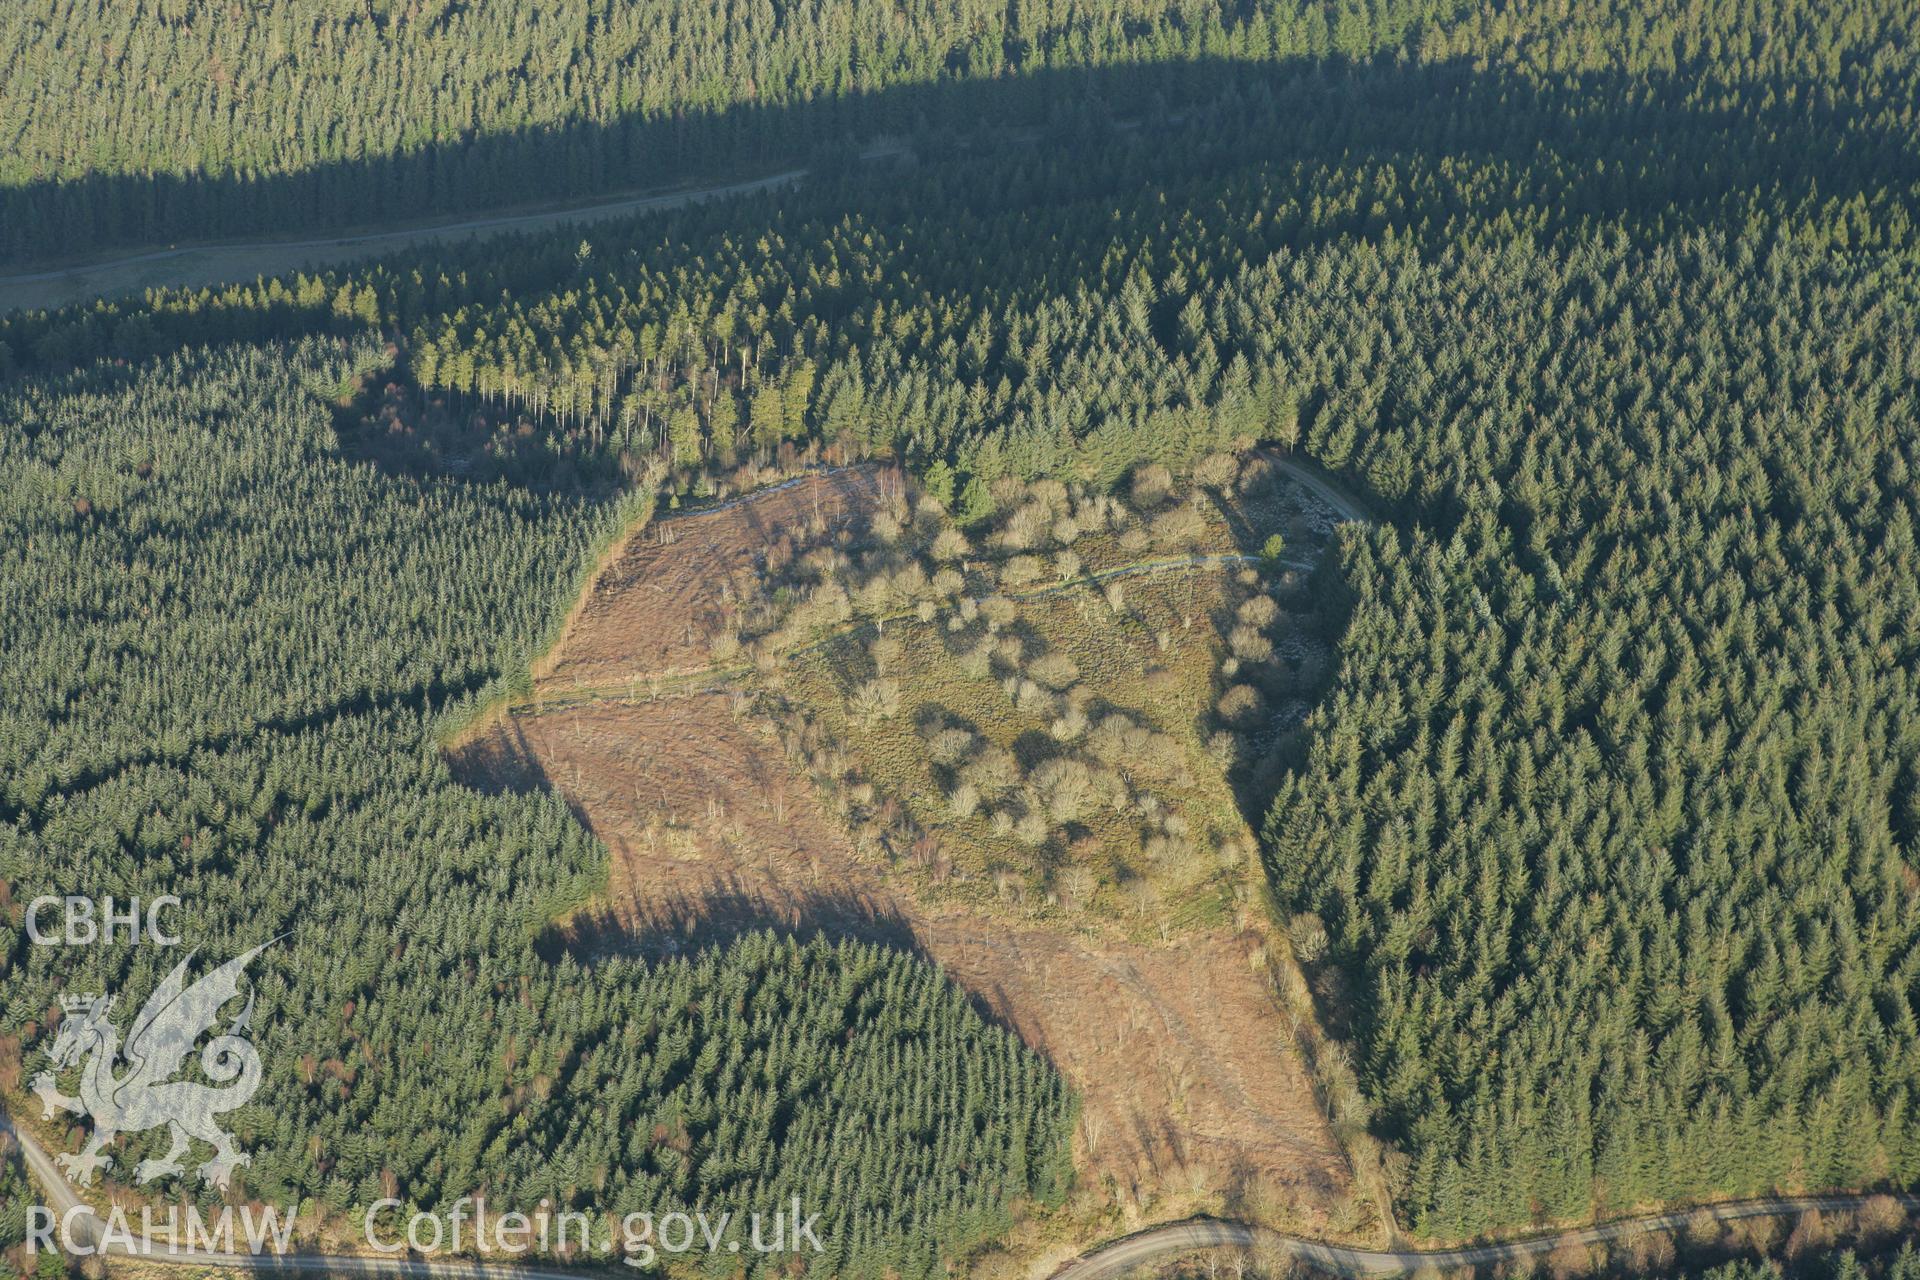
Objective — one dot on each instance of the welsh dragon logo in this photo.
(144, 1094)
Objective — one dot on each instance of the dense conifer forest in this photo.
(316, 113)
(195, 119)
(230, 652)
(14, 1199)
(1843, 1264)
(1609, 814)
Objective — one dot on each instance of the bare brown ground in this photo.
(1189, 1077)
(1179, 1052)
(664, 593)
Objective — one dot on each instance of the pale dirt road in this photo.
(1158, 1244)
(191, 266)
(195, 265)
(1109, 1262)
(87, 1230)
(1329, 491)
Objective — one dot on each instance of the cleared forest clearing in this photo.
(1197, 1094)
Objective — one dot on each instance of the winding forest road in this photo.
(61, 1197)
(500, 222)
(1158, 1243)
(1344, 503)
(189, 266)
(1108, 1262)
(88, 1231)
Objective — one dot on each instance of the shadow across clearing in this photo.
(656, 924)
(683, 923)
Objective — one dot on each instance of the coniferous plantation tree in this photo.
(15, 1196)
(1609, 808)
(229, 650)
(133, 122)
(1609, 812)
(1843, 1264)
(197, 118)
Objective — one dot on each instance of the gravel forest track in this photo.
(88, 1230)
(221, 262)
(194, 265)
(1124, 1256)
(1109, 1262)
(702, 679)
